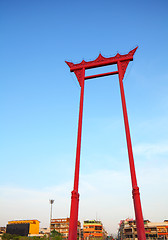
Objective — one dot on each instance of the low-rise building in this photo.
(23, 227)
(2, 230)
(61, 225)
(153, 230)
(45, 231)
(93, 229)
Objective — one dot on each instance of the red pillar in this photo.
(135, 188)
(75, 195)
(79, 69)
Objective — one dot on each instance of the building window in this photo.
(98, 228)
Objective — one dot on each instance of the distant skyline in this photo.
(39, 101)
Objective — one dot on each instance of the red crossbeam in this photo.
(101, 75)
(102, 61)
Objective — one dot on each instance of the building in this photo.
(153, 230)
(93, 230)
(23, 227)
(2, 230)
(61, 225)
(45, 231)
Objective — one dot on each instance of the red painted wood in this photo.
(122, 62)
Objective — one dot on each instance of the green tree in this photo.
(8, 236)
(56, 235)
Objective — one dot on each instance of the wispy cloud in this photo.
(149, 149)
(104, 194)
(20, 203)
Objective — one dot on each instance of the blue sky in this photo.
(39, 100)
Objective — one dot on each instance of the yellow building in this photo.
(23, 227)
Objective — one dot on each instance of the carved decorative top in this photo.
(102, 61)
(79, 75)
(124, 65)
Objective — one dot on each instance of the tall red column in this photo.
(122, 62)
(135, 188)
(75, 195)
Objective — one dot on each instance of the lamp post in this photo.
(51, 202)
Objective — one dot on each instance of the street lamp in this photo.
(51, 202)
